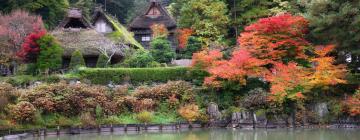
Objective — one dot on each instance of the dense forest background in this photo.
(331, 21)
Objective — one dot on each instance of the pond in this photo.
(224, 134)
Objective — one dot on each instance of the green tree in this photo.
(102, 61)
(194, 45)
(245, 12)
(161, 50)
(50, 56)
(175, 7)
(77, 60)
(52, 11)
(138, 59)
(208, 18)
(337, 22)
(122, 8)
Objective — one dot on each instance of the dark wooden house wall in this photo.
(146, 44)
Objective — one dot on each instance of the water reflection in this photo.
(226, 134)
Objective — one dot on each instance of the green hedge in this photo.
(134, 75)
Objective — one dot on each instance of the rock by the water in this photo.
(321, 109)
(213, 112)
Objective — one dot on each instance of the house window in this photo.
(101, 26)
(145, 38)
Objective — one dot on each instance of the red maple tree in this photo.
(206, 59)
(276, 38)
(238, 68)
(30, 47)
(286, 80)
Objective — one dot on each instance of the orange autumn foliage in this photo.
(159, 30)
(325, 73)
(269, 50)
(285, 78)
(183, 36)
(238, 68)
(276, 38)
(205, 59)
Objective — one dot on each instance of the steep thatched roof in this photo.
(120, 34)
(145, 20)
(85, 40)
(75, 18)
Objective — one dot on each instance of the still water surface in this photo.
(225, 134)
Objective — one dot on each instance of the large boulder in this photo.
(321, 109)
(213, 112)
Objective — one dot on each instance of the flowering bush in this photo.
(189, 112)
(180, 90)
(23, 112)
(352, 104)
(70, 99)
(144, 116)
(143, 105)
(8, 94)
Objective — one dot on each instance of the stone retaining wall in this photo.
(137, 128)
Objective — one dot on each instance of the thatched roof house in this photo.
(154, 14)
(76, 33)
(111, 28)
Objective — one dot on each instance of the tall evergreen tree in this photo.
(102, 61)
(337, 22)
(161, 50)
(77, 60)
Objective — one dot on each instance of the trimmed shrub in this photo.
(161, 50)
(102, 61)
(23, 112)
(26, 80)
(144, 117)
(50, 56)
(77, 60)
(134, 75)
